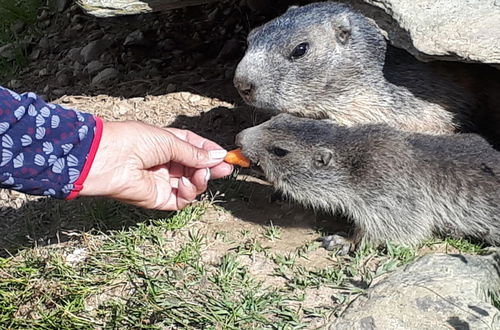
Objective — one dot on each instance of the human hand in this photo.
(152, 167)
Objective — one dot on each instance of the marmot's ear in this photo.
(343, 28)
(322, 158)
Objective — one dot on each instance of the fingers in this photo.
(221, 170)
(218, 171)
(194, 139)
(181, 197)
(190, 156)
(173, 192)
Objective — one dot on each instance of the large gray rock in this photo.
(109, 8)
(435, 292)
(463, 30)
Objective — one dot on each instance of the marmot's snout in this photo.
(245, 88)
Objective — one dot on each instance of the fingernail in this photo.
(207, 175)
(217, 154)
(186, 182)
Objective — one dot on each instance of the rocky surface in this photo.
(197, 47)
(185, 49)
(455, 30)
(435, 292)
(109, 8)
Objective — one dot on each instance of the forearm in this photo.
(45, 148)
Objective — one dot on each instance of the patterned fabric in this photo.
(45, 149)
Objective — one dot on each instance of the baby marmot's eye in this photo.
(279, 152)
(299, 51)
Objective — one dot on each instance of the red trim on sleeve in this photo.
(78, 185)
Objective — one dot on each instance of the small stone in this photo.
(77, 19)
(7, 51)
(135, 38)
(58, 92)
(212, 15)
(44, 24)
(107, 58)
(77, 27)
(63, 78)
(93, 50)
(43, 72)
(166, 45)
(74, 55)
(44, 43)
(60, 5)
(77, 66)
(14, 84)
(105, 75)
(171, 88)
(46, 89)
(18, 27)
(44, 14)
(93, 67)
(35, 54)
(97, 34)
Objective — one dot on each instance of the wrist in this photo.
(101, 167)
(78, 184)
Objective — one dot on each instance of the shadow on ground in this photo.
(48, 221)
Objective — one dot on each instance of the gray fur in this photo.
(344, 76)
(394, 185)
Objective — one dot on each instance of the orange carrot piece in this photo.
(235, 157)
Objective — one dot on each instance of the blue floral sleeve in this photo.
(45, 148)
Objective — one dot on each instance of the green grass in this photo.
(11, 12)
(154, 274)
(272, 232)
(148, 276)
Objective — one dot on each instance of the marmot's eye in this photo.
(279, 152)
(299, 51)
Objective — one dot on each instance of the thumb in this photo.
(189, 155)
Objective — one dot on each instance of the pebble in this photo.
(105, 75)
(63, 78)
(93, 67)
(60, 5)
(18, 27)
(44, 43)
(7, 51)
(93, 50)
(171, 88)
(74, 55)
(135, 38)
(35, 54)
(43, 72)
(15, 84)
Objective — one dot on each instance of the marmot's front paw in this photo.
(339, 242)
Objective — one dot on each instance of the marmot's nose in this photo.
(245, 87)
